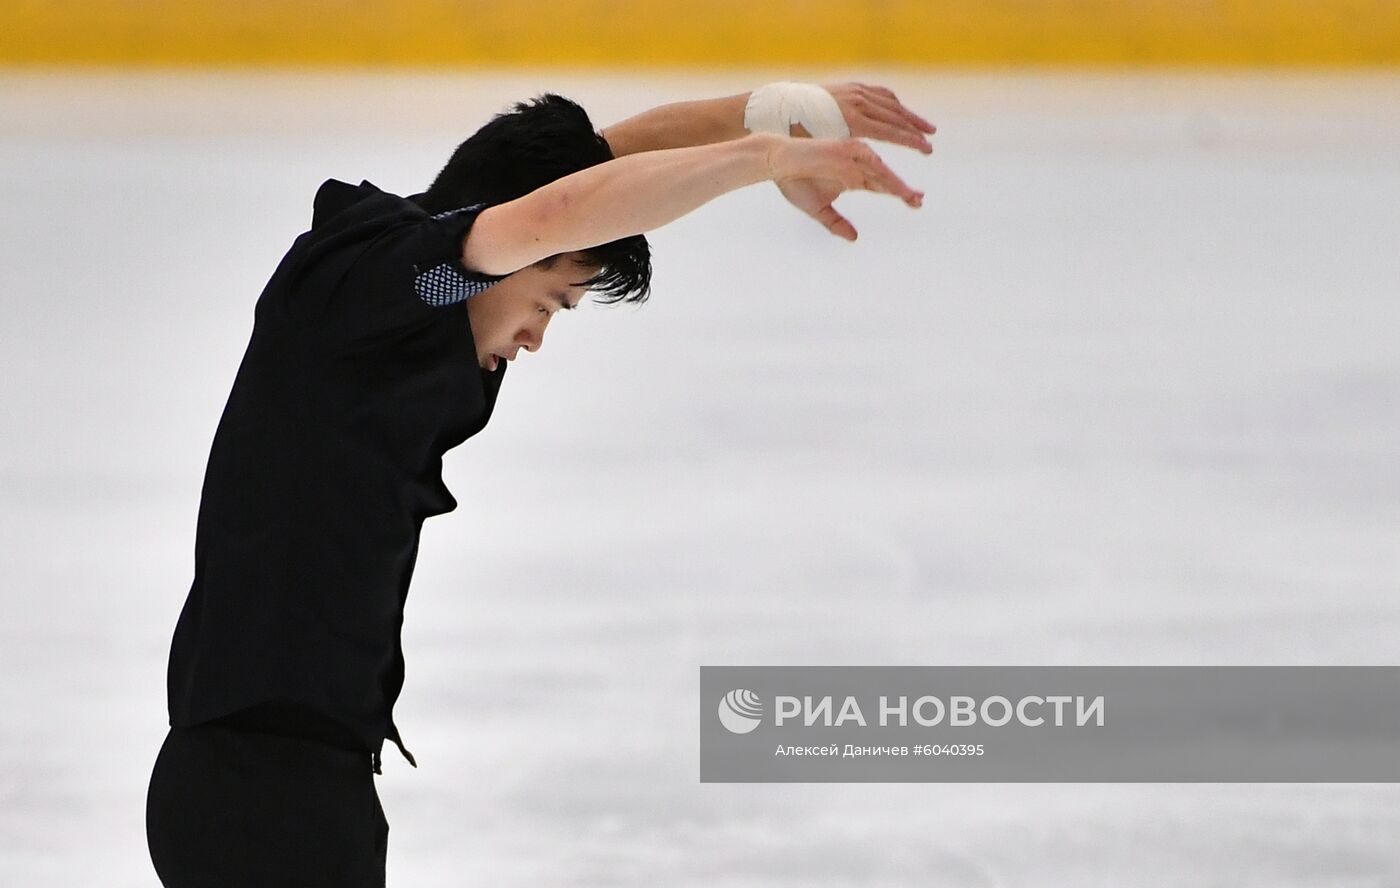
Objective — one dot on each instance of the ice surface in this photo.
(1125, 391)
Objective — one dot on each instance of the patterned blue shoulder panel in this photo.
(448, 283)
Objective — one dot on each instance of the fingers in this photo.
(875, 112)
(905, 117)
(879, 177)
(890, 126)
(836, 223)
(893, 101)
(892, 134)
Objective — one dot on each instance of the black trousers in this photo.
(229, 807)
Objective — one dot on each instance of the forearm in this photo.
(679, 125)
(622, 197)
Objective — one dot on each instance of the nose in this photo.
(530, 338)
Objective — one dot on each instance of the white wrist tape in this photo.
(776, 107)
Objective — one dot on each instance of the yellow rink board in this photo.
(704, 32)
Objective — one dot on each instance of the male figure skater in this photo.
(380, 343)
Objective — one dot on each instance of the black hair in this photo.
(526, 148)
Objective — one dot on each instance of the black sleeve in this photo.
(439, 277)
(408, 274)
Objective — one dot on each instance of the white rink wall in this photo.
(1125, 391)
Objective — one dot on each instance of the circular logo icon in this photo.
(740, 711)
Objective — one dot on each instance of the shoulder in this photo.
(339, 203)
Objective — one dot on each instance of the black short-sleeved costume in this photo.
(361, 372)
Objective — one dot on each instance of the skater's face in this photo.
(512, 315)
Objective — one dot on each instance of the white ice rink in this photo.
(1125, 391)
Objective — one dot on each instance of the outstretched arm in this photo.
(680, 125)
(870, 111)
(635, 194)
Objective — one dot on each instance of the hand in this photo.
(873, 112)
(813, 173)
